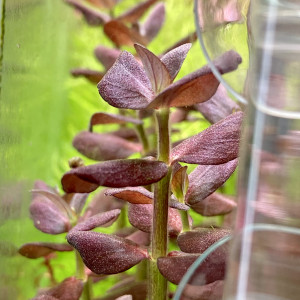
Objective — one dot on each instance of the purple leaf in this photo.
(139, 237)
(132, 15)
(174, 203)
(134, 92)
(135, 195)
(70, 289)
(141, 215)
(179, 115)
(37, 250)
(102, 203)
(198, 240)
(107, 56)
(92, 75)
(106, 254)
(92, 16)
(104, 146)
(105, 118)
(154, 22)
(44, 297)
(214, 205)
(218, 107)
(175, 266)
(102, 219)
(125, 133)
(217, 144)
(48, 216)
(78, 201)
(118, 173)
(206, 179)
(125, 297)
(212, 291)
(121, 35)
(198, 86)
(104, 3)
(173, 59)
(155, 69)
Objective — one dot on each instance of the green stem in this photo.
(87, 293)
(2, 32)
(159, 238)
(142, 137)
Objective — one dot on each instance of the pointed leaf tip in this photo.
(106, 254)
(135, 92)
(217, 144)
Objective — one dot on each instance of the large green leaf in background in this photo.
(42, 108)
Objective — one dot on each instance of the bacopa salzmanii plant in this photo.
(159, 191)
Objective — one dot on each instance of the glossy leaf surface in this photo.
(135, 195)
(134, 92)
(212, 291)
(37, 250)
(117, 173)
(217, 144)
(179, 183)
(106, 254)
(103, 146)
(206, 179)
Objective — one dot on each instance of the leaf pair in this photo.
(150, 87)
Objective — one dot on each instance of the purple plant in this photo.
(158, 189)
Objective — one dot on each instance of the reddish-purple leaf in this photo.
(155, 69)
(198, 86)
(103, 219)
(37, 250)
(106, 118)
(70, 289)
(175, 266)
(141, 215)
(44, 297)
(154, 22)
(214, 205)
(48, 216)
(92, 75)
(174, 203)
(134, 92)
(179, 115)
(135, 195)
(102, 203)
(106, 254)
(125, 297)
(173, 59)
(212, 291)
(138, 289)
(218, 107)
(104, 3)
(126, 133)
(198, 240)
(118, 173)
(139, 237)
(217, 144)
(77, 202)
(92, 16)
(132, 15)
(104, 146)
(107, 56)
(206, 179)
(121, 35)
